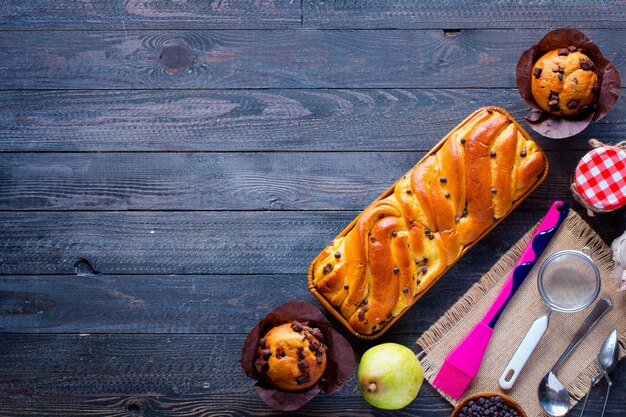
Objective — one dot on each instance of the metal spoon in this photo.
(606, 361)
(553, 396)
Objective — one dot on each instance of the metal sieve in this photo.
(568, 282)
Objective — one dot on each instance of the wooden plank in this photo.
(222, 181)
(206, 242)
(197, 181)
(190, 242)
(137, 14)
(465, 14)
(194, 304)
(163, 375)
(256, 120)
(174, 375)
(241, 405)
(272, 59)
(136, 303)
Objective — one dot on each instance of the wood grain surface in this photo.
(168, 169)
(328, 14)
(167, 375)
(223, 181)
(149, 15)
(450, 14)
(272, 59)
(210, 242)
(257, 120)
(218, 303)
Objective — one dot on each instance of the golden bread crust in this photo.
(402, 243)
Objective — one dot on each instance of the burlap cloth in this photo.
(526, 306)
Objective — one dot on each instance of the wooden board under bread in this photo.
(337, 314)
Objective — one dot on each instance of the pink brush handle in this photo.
(547, 229)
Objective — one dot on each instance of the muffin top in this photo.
(564, 82)
(292, 356)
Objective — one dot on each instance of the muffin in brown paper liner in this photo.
(558, 127)
(339, 356)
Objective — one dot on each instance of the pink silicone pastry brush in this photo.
(463, 362)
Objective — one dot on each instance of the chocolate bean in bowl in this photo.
(293, 354)
(491, 404)
(567, 82)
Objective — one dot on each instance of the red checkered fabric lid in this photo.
(600, 178)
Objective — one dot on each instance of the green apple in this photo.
(390, 376)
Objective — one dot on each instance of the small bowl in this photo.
(507, 400)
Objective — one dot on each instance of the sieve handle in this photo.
(547, 229)
(523, 352)
(601, 308)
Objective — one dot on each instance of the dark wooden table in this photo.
(168, 170)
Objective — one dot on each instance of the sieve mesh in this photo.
(568, 281)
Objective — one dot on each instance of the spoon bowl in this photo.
(553, 396)
(608, 355)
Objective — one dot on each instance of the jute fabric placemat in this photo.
(526, 306)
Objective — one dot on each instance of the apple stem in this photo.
(371, 387)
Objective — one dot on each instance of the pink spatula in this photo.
(463, 362)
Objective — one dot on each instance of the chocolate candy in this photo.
(361, 315)
(314, 347)
(586, 64)
(316, 333)
(303, 379)
(595, 88)
(572, 104)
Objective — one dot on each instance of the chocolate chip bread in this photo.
(564, 82)
(404, 241)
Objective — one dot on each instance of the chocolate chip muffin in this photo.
(565, 82)
(292, 356)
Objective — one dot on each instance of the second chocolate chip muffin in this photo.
(564, 82)
(292, 356)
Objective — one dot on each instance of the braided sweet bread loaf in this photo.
(402, 243)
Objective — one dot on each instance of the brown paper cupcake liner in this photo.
(557, 127)
(340, 361)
